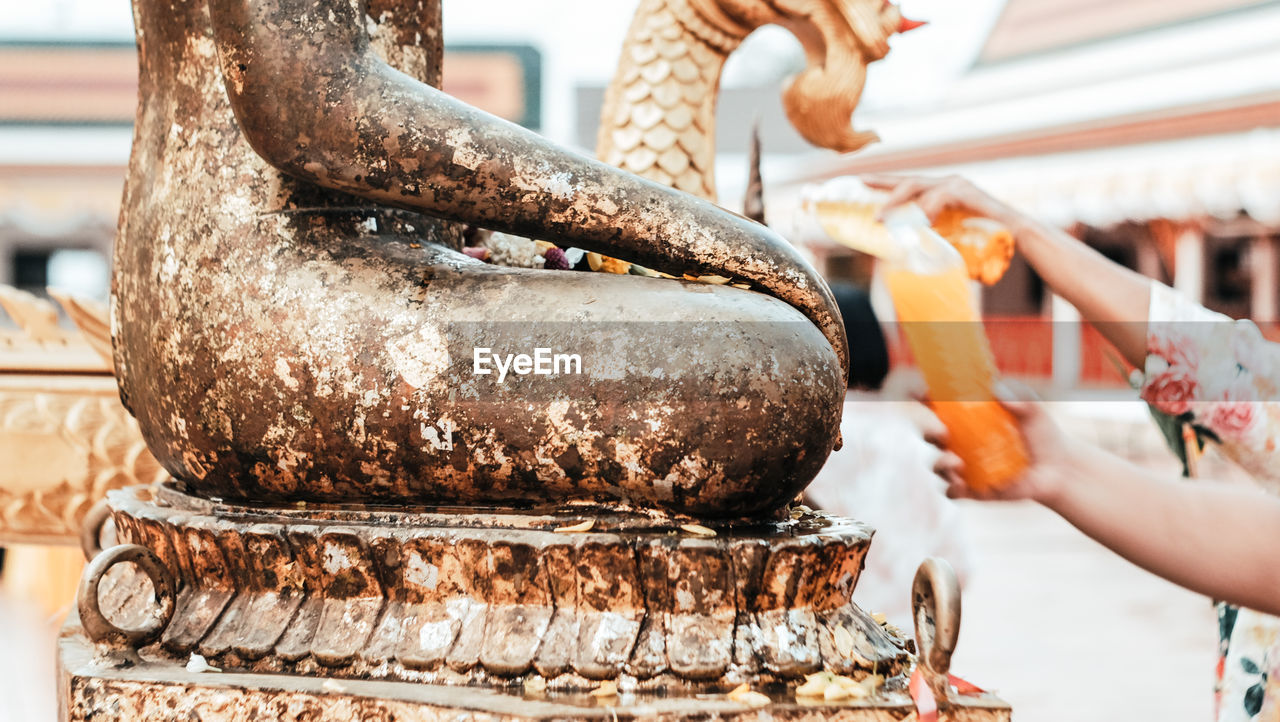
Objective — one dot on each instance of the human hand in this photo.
(935, 194)
(1051, 455)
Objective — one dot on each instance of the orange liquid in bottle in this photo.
(947, 339)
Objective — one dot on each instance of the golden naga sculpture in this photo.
(659, 112)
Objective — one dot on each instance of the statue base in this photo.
(419, 612)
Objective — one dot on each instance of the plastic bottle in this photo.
(845, 209)
(930, 286)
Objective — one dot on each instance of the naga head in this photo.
(840, 38)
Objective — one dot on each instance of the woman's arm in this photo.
(1219, 540)
(314, 100)
(1111, 297)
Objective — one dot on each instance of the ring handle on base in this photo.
(96, 625)
(935, 604)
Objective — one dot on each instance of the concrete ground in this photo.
(1066, 631)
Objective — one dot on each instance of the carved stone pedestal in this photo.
(408, 614)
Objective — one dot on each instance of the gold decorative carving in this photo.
(92, 318)
(65, 438)
(40, 344)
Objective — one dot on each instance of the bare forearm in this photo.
(1111, 297)
(1221, 541)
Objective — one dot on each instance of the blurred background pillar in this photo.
(1265, 289)
(1067, 344)
(45, 576)
(1148, 258)
(1188, 276)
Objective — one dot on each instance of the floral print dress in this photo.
(1223, 377)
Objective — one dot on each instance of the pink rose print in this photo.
(1176, 349)
(1236, 412)
(1172, 391)
(1232, 419)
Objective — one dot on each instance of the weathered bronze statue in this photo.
(292, 320)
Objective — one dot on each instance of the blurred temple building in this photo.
(65, 116)
(1149, 129)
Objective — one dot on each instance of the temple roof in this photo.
(1026, 27)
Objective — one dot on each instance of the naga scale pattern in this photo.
(660, 111)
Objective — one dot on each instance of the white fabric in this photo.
(883, 476)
